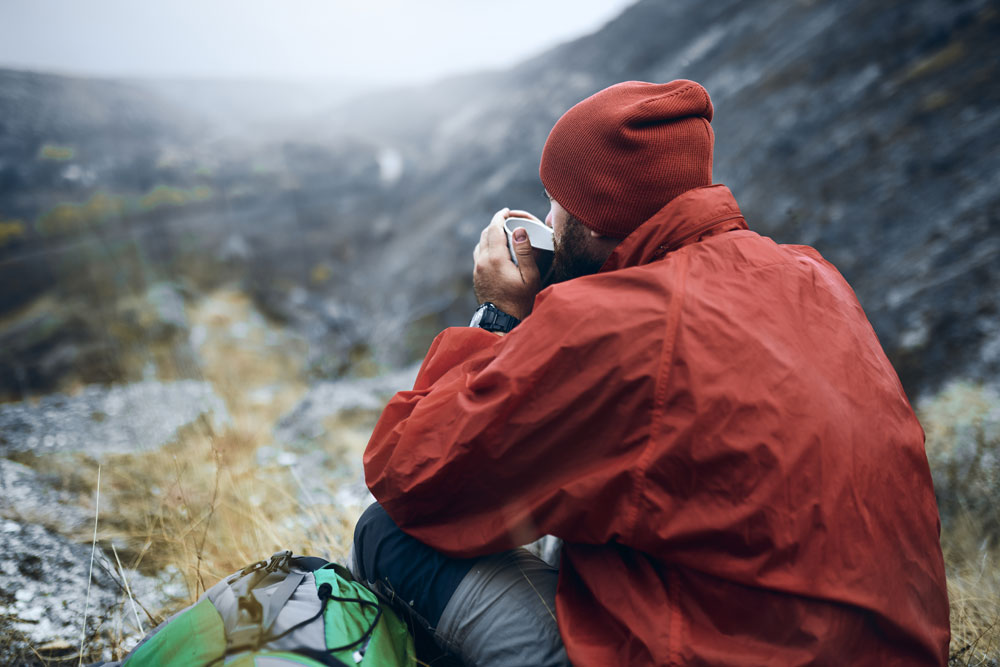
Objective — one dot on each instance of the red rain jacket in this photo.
(711, 426)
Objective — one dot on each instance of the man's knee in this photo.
(373, 518)
(513, 589)
(402, 566)
(373, 529)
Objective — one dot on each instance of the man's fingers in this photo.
(523, 214)
(496, 224)
(487, 237)
(495, 237)
(500, 216)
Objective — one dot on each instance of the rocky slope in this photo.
(865, 129)
(868, 130)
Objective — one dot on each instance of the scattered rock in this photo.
(136, 417)
(304, 440)
(38, 346)
(165, 316)
(325, 400)
(25, 496)
(43, 597)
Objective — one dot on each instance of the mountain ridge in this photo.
(863, 130)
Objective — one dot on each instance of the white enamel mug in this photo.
(539, 234)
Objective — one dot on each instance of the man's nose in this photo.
(548, 218)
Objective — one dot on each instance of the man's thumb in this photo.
(524, 251)
(521, 244)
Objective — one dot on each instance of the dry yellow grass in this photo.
(963, 445)
(974, 593)
(206, 507)
(203, 506)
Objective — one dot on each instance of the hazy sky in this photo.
(364, 40)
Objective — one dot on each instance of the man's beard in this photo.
(571, 257)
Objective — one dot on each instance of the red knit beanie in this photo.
(620, 155)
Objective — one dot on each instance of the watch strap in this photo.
(491, 318)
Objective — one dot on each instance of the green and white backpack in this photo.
(290, 610)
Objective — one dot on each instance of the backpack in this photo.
(291, 610)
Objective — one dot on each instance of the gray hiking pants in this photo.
(498, 611)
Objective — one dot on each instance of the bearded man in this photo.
(704, 417)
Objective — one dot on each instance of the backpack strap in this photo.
(309, 563)
(274, 603)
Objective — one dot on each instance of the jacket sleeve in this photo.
(503, 440)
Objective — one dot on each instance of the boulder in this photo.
(43, 599)
(117, 419)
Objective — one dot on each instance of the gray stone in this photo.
(25, 496)
(129, 418)
(305, 422)
(43, 597)
(167, 304)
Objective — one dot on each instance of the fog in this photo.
(377, 42)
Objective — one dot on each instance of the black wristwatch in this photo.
(491, 318)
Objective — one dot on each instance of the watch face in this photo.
(478, 317)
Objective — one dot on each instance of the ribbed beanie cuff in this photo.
(620, 155)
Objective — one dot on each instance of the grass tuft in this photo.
(962, 424)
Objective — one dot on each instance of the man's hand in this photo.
(511, 287)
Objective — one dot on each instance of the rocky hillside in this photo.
(193, 303)
(868, 130)
(865, 129)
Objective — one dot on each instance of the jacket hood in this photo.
(700, 212)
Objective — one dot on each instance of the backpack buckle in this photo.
(252, 567)
(280, 561)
